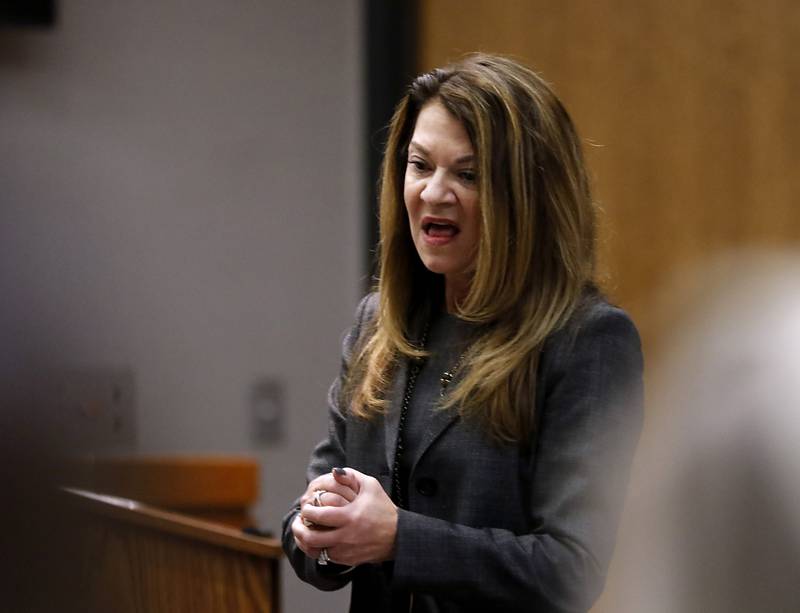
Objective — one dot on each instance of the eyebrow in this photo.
(464, 158)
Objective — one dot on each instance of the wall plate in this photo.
(94, 409)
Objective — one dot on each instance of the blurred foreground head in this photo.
(713, 522)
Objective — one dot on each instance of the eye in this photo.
(468, 176)
(417, 164)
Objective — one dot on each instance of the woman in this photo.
(489, 401)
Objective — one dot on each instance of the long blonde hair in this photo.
(535, 256)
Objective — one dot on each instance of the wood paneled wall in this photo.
(690, 112)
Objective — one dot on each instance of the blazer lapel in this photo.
(439, 420)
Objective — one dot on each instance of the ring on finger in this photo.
(323, 558)
(318, 497)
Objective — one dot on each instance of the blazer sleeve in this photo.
(328, 453)
(590, 415)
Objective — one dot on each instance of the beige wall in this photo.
(690, 113)
(180, 195)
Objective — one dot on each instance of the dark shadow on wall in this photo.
(391, 57)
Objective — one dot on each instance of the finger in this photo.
(311, 552)
(348, 477)
(316, 524)
(337, 497)
(332, 499)
(319, 539)
(302, 534)
(298, 531)
(313, 487)
(323, 482)
(342, 490)
(329, 484)
(328, 516)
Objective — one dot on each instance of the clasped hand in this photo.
(356, 524)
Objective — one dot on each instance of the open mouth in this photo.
(440, 229)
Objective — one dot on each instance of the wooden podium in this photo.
(214, 487)
(141, 559)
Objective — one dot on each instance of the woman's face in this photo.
(441, 197)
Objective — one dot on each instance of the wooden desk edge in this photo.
(131, 511)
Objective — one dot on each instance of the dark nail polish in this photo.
(340, 471)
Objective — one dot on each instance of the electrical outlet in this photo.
(268, 407)
(94, 409)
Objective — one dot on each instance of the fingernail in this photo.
(340, 471)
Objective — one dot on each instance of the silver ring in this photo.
(318, 498)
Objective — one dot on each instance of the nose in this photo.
(438, 190)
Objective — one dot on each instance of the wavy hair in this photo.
(536, 253)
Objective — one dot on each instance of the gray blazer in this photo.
(500, 527)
